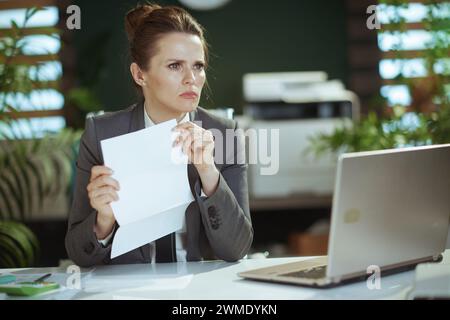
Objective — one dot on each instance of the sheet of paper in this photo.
(154, 185)
(139, 233)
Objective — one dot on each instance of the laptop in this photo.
(391, 210)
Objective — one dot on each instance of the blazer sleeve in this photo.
(225, 214)
(81, 242)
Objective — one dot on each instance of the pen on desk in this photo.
(42, 278)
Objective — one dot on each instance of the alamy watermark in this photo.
(373, 282)
(74, 19)
(372, 21)
(238, 146)
(74, 280)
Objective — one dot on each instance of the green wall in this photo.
(245, 36)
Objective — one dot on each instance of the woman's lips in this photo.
(189, 95)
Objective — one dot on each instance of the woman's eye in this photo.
(174, 66)
(199, 66)
(177, 66)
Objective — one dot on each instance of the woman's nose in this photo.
(189, 77)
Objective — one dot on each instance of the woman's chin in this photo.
(187, 106)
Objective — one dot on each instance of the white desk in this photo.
(206, 281)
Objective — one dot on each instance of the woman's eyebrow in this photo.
(183, 61)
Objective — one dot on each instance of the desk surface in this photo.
(208, 280)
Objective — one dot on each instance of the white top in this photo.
(179, 245)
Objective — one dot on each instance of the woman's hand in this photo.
(198, 144)
(102, 190)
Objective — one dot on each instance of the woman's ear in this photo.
(137, 74)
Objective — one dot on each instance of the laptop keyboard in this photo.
(313, 273)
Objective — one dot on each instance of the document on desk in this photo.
(154, 187)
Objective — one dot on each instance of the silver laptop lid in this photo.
(389, 207)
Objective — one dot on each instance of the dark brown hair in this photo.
(147, 23)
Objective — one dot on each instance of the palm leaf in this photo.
(36, 169)
(7, 255)
(60, 172)
(12, 249)
(22, 179)
(19, 240)
(12, 191)
(36, 172)
(19, 243)
(8, 204)
(34, 242)
(15, 177)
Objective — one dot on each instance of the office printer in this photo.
(300, 105)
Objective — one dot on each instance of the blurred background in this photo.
(331, 76)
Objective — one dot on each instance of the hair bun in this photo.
(135, 17)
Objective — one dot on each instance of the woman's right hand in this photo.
(102, 190)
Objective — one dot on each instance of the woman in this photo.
(169, 55)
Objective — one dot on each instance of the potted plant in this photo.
(426, 120)
(32, 169)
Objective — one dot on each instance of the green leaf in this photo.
(19, 187)
(11, 248)
(7, 254)
(27, 240)
(6, 260)
(8, 205)
(36, 172)
(20, 241)
(31, 238)
(12, 190)
(14, 25)
(23, 248)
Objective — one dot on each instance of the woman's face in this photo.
(176, 74)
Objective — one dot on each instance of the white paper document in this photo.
(154, 186)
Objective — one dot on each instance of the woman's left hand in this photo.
(198, 144)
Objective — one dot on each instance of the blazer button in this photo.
(89, 248)
(212, 211)
(214, 225)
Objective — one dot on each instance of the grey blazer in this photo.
(217, 227)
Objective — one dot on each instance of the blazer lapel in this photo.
(137, 117)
